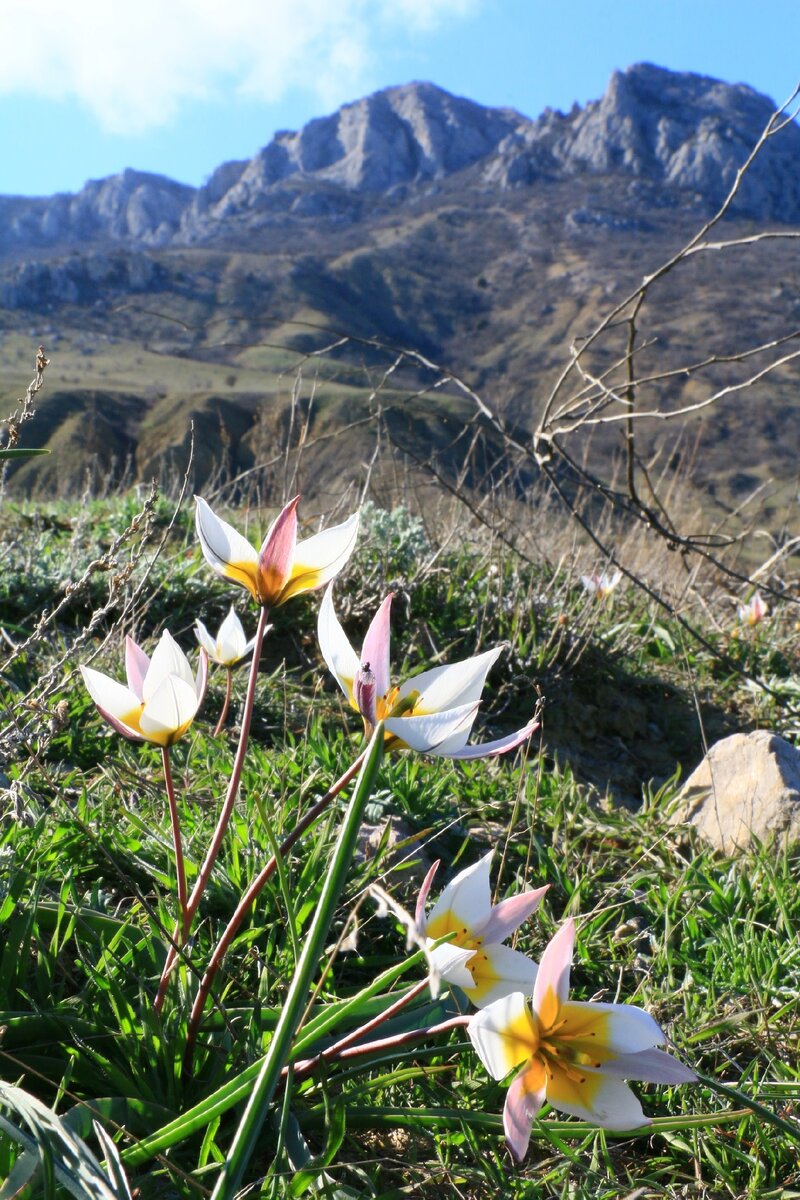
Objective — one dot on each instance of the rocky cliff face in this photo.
(685, 134)
(133, 207)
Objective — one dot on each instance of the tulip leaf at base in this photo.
(279, 1051)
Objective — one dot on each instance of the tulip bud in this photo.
(364, 688)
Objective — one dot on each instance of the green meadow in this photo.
(100, 1095)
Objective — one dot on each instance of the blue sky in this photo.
(89, 87)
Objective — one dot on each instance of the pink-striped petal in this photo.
(137, 664)
(110, 695)
(552, 982)
(509, 914)
(375, 650)
(276, 557)
(116, 703)
(419, 913)
(127, 731)
(651, 1066)
(500, 746)
(524, 1099)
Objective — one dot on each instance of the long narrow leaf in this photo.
(280, 1047)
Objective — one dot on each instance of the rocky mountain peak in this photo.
(678, 129)
(398, 136)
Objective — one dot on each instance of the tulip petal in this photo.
(339, 655)
(136, 666)
(128, 729)
(651, 1066)
(113, 697)
(604, 1030)
(206, 640)
(449, 962)
(552, 982)
(116, 703)
(465, 904)
(499, 746)
(320, 558)
(375, 650)
(504, 1034)
(497, 971)
(201, 679)
(168, 659)
(455, 684)
(509, 914)
(231, 643)
(594, 1097)
(225, 549)
(276, 555)
(524, 1099)
(437, 733)
(169, 711)
(419, 912)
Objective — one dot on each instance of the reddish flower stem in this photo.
(247, 900)
(180, 867)
(226, 705)
(357, 1035)
(390, 1043)
(225, 814)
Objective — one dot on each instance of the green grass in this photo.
(709, 945)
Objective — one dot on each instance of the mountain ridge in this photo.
(481, 239)
(689, 133)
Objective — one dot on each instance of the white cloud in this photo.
(134, 62)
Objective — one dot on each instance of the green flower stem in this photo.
(225, 814)
(227, 703)
(180, 867)
(244, 1142)
(247, 901)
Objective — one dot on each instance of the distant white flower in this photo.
(230, 645)
(600, 586)
(754, 612)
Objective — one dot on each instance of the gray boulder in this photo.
(747, 787)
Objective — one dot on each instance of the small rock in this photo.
(747, 786)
